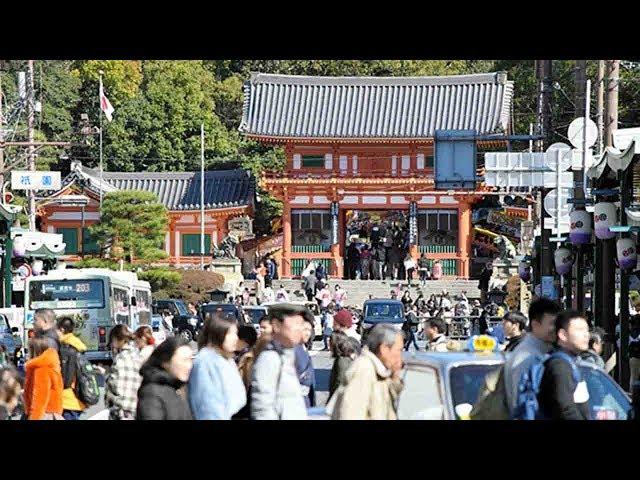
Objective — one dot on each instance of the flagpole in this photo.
(100, 113)
(202, 196)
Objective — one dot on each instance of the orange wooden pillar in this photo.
(286, 239)
(464, 237)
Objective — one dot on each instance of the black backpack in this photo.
(87, 389)
(67, 364)
(75, 367)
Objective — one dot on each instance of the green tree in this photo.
(60, 94)
(161, 126)
(121, 78)
(132, 226)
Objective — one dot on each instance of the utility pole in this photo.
(578, 184)
(611, 116)
(596, 294)
(606, 262)
(31, 148)
(544, 75)
(600, 105)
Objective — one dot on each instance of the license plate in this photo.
(605, 414)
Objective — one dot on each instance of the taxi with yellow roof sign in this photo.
(446, 385)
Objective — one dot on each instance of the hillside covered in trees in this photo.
(159, 106)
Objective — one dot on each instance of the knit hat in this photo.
(343, 318)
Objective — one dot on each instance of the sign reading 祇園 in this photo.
(28, 180)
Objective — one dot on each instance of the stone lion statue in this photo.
(227, 248)
(506, 250)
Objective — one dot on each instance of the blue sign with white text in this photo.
(455, 159)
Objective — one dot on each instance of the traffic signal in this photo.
(8, 197)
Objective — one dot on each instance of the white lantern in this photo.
(564, 260)
(604, 216)
(37, 267)
(524, 271)
(580, 227)
(19, 247)
(627, 253)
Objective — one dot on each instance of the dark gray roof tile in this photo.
(374, 107)
(179, 190)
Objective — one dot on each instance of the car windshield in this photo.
(606, 401)
(182, 309)
(255, 314)
(74, 294)
(383, 310)
(466, 382)
(229, 311)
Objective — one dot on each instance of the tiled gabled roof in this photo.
(374, 107)
(176, 190)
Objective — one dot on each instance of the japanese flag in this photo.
(105, 104)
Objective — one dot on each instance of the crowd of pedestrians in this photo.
(238, 373)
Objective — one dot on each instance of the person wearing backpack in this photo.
(537, 343)
(563, 393)
(70, 348)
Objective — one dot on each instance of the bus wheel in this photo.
(186, 334)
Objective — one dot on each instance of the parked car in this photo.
(9, 337)
(377, 311)
(184, 324)
(445, 386)
(229, 310)
(255, 313)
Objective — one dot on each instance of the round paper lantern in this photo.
(19, 247)
(564, 260)
(580, 227)
(604, 216)
(627, 253)
(37, 267)
(524, 271)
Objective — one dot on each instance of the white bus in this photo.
(96, 299)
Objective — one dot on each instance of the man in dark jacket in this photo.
(310, 285)
(304, 367)
(353, 254)
(44, 325)
(410, 327)
(271, 271)
(513, 324)
(563, 397)
(483, 283)
(321, 273)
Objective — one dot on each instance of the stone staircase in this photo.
(359, 290)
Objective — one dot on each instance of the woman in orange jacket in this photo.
(43, 382)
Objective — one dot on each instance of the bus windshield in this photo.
(72, 293)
